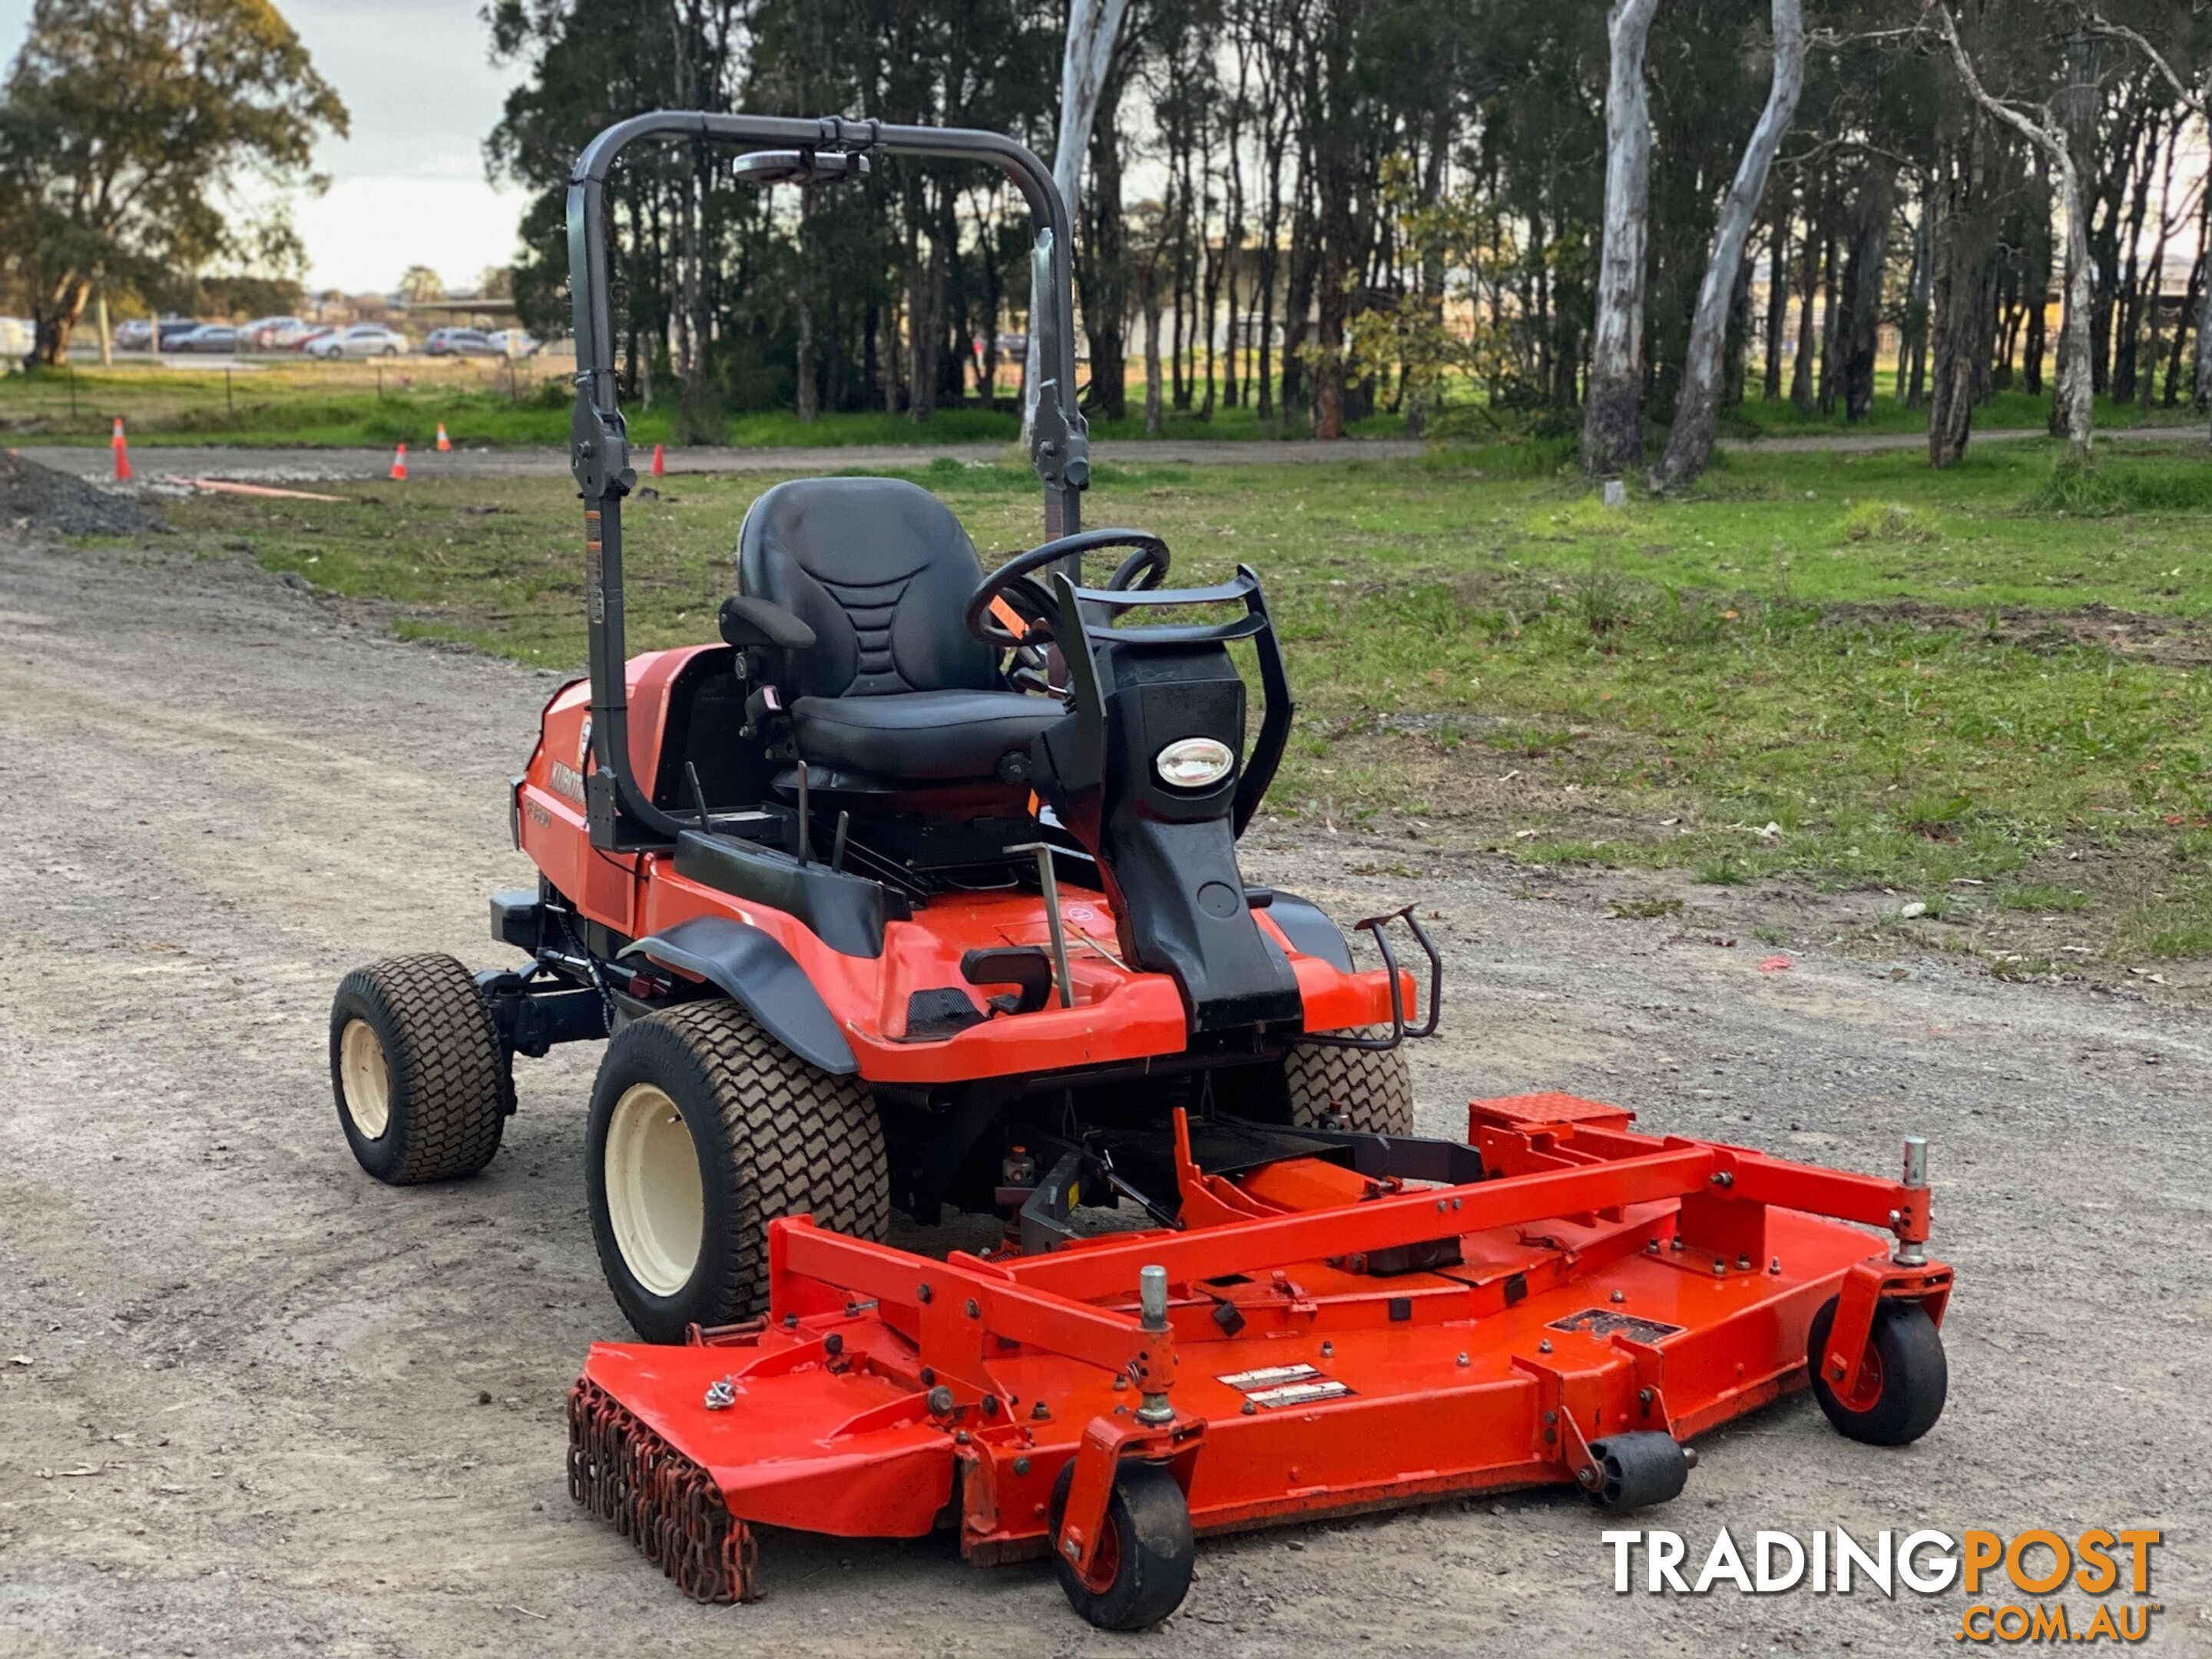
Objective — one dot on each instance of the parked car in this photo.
(259, 335)
(209, 336)
(515, 343)
(174, 329)
(304, 336)
(459, 342)
(361, 340)
(133, 335)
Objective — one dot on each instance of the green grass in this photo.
(403, 400)
(1640, 687)
(2006, 411)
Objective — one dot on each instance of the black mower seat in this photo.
(894, 686)
(925, 736)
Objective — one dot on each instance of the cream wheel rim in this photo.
(367, 1080)
(656, 1203)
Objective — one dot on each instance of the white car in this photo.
(515, 343)
(361, 340)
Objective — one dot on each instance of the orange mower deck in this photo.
(1596, 1297)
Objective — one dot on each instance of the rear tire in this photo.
(1904, 1396)
(1356, 1089)
(703, 1129)
(1146, 1557)
(422, 1079)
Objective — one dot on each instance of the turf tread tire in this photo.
(1360, 1089)
(789, 1138)
(451, 1080)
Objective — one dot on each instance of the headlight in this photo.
(1194, 762)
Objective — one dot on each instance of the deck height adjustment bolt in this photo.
(1724, 1178)
(1544, 1346)
(1463, 1359)
(1720, 1268)
(940, 1401)
(1039, 1412)
(1743, 1264)
(1775, 1265)
(1621, 1296)
(1643, 1398)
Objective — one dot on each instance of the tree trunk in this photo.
(1960, 289)
(1093, 25)
(1153, 416)
(1697, 407)
(1809, 293)
(1612, 412)
(1778, 297)
(1102, 265)
(1860, 325)
(2075, 371)
(1832, 295)
(1912, 342)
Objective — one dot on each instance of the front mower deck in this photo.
(1332, 1341)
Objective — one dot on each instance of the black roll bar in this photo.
(599, 441)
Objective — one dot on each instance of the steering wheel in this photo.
(1036, 603)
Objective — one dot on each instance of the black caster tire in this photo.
(422, 1082)
(703, 1129)
(1901, 1394)
(1144, 1561)
(1629, 1471)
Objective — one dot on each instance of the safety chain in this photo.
(660, 1500)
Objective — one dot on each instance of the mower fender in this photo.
(1308, 931)
(752, 966)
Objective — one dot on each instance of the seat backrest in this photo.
(882, 572)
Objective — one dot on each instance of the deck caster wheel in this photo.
(1143, 1571)
(1903, 1385)
(423, 1081)
(703, 1129)
(1628, 1471)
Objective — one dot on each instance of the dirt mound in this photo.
(44, 503)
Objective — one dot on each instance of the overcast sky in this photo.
(408, 188)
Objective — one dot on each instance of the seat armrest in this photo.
(747, 621)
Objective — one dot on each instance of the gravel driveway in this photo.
(252, 1403)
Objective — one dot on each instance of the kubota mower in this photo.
(921, 889)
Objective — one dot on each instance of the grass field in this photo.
(285, 402)
(1845, 671)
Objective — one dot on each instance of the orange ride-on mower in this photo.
(921, 889)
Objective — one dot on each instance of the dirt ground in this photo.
(251, 1402)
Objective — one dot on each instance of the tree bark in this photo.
(1778, 297)
(1613, 409)
(1697, 407)
(1860, 325)
(2050, 135)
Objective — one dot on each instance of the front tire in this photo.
(1356, 1089)
(1144, 1562)
(1901, 1393)
(422, 1079)
(703, 1129)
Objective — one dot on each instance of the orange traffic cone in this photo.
(443, 442)
(660, 462)
(122, 453)
(399, 465)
